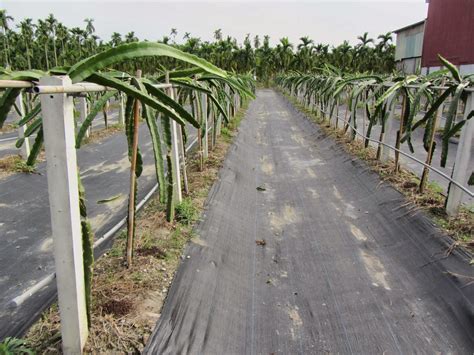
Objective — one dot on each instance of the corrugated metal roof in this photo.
(410, 26)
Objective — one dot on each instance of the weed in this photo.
(14, 346)
(14, 164)
(186, 212)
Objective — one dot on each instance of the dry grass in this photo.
(127, 301)
(9, 127)
(459, 228)
(12, 164)
(98, 135)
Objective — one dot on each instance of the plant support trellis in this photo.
(323, 92)
(53, 121)
(62, 172)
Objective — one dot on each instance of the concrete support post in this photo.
(461, 165)
(83, 112)
(385, 152)
(205, 140)
(121, 113)
(218, 124)
(25, 148)
(336, 114)
(227, 90)
(352, 132)
(58, 127)
(175, 157)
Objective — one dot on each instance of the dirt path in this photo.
(343, 269)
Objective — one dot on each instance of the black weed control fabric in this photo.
(322, 257)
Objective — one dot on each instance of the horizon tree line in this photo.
(48, 43)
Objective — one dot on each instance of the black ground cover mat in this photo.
(303, 250)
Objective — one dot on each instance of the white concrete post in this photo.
(218, 123)
(205, 140)
(25, 148)
(461, 165)
(175, 157)
(121, 113)
(364, 116)
(385, 151)
(351, 131)
(83, 112)
(58, 127)
(227, 90)
(336, 114)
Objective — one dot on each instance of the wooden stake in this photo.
(429, 157)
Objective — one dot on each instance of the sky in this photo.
(329, 22)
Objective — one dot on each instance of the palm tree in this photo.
(4, 18)
(305, 49)
(26, 28)
(42, 33)
(52, 23)
(130, 37)
(90, 29)
(385, 39)
(342, 55)
(187, 35)
(285, 53)
(77, 33)
(116, 39)
(173, 33)
(364, 40)
(62, 34)
(256, 42)
(218, 34)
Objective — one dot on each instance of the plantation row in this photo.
(159, 99)
(443, 93)
(49, 43)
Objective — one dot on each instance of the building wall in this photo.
(409, 65)
(464, 69)
(409, 43)
(449, 31)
